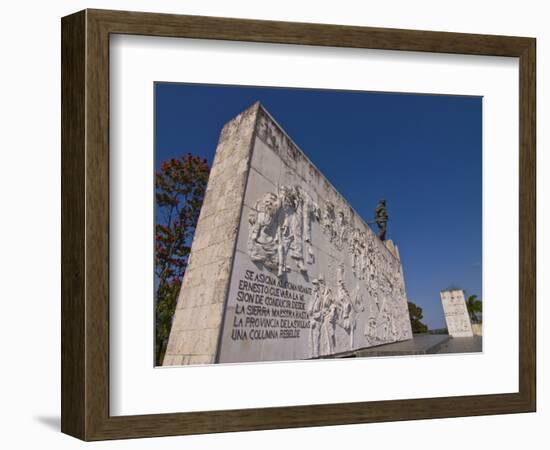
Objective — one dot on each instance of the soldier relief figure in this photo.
(331, 309)
(264, 235)
(280, 227)
(315, 312)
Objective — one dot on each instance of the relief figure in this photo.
(280, 228)
(263, 237)
(315, 312)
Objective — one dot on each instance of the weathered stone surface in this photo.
(282, 267)
(456, 313)
(477, 329)
(199, 313)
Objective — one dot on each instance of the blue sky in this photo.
(422, 153)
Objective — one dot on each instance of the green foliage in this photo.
(180, 186)
(475, 308)
(439, 331)
(415, 314)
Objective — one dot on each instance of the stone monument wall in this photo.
(195, 332)
(456, 313)
(297, 273)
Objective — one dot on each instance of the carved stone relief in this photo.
(281, 231)
(333, 307)
(280, 228)
(305, 230)
(264, 241)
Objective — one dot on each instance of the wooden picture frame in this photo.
(85, 224)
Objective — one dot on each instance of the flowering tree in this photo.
(180, 185)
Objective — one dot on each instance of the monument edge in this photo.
(201, 345)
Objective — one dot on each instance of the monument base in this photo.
(423, 344)
(420, 344)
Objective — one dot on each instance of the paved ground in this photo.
(425, 344)
(421, 344)
(462, 345)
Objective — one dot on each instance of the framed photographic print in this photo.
(272, 225)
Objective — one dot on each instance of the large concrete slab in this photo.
(302, 276)
(456, 313)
